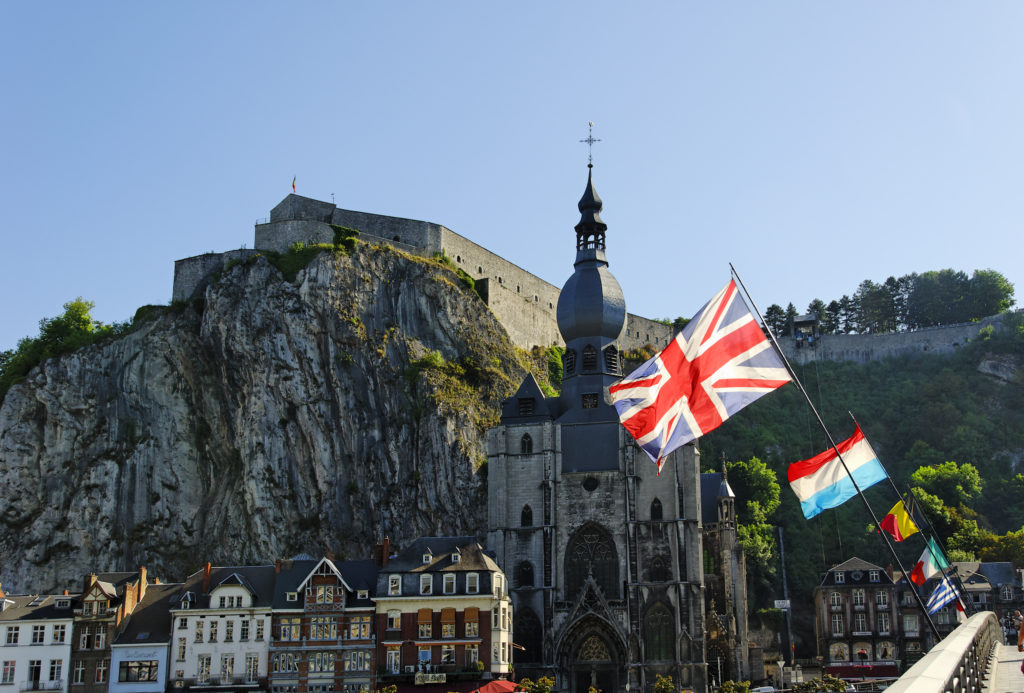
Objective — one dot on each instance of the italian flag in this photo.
(930, 564)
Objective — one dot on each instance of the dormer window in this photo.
(291, 596)
(426, 583)
(456, 557)
(362, 594)
(427, 557)
(840, 577)
(63, 603)
(873, 576)
(395, 584)
(184, 604)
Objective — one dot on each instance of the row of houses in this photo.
(869, 623)
(435, 616)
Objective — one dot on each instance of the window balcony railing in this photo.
(43, 685)
(861, 633)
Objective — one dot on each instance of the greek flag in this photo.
(944, 593)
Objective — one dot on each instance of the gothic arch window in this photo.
(589, 358)
(656, 513)
(659, 571)
(526, 444)
(569, 361)
(591, 552)
(526, 519)
(611, 359)
(659, 632)
(524, 574)
(529, 635)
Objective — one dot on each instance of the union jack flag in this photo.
(718, 364)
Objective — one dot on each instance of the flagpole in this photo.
(832, 442)
(942, 546)
(931, 529)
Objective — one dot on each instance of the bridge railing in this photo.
(957, 663)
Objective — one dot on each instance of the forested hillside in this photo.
(918, 413)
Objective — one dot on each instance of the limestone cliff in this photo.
(277, 417)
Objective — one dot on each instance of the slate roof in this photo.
(529, 389)
(473, 556)
(150, 622)
(1000, 573)
(854, 565)
(710, 488)
(19, 607)
(259, 579)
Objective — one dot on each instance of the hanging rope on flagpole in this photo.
(832, 442)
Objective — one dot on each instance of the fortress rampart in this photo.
(863, 348)
(525, 304)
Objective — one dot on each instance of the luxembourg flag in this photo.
(821, 482)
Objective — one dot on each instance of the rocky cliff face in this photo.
(278, 417)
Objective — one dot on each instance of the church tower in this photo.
(604, 554)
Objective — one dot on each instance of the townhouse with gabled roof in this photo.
(35, 651)
(106, 601)
(220, 629)
(856, 620)
(444, 616)
(322, 635)
(139, 653)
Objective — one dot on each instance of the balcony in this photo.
(42, 685)
(220, 683)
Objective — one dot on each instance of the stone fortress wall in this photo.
(862, 348)
(525, 304)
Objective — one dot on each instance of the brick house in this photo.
(444, 616)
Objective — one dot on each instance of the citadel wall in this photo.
(524, 303)
(862, 348)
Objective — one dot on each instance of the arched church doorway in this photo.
(593, 657)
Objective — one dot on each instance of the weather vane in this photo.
(590, 144)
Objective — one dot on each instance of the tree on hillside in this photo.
(953, 484)
(790, 315)
(775, 319)
(830, 320)
(989, 293)
(938, 298)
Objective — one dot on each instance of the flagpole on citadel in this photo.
(832, 442)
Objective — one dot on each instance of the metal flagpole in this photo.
(956, 573)
(832, 442)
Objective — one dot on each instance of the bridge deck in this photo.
(1006, 676)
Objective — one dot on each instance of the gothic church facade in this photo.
(605, 554)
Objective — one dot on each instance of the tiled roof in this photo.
(472, 556)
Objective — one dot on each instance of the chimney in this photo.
(2, 595)
(889, 571)
(142, 582)
(65, 592)
(381, 551)
(89, 581)
(206, 578)
(156, 581)
(277, 566)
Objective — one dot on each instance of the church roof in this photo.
(711, 486)
(527, 405)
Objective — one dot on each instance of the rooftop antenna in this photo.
(590, 144)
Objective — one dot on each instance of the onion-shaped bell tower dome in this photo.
(591, 304)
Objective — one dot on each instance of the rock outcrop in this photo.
(276, 417)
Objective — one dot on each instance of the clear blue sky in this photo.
(812, 144)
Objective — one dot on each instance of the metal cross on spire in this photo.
(590, 144)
